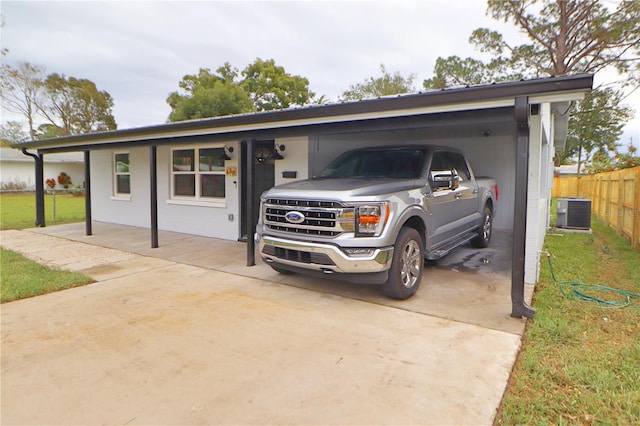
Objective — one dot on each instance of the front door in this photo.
(263, 178)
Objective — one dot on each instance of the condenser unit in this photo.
(574, 213)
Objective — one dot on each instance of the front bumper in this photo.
(326, 258)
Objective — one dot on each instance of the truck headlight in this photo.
(370, 219)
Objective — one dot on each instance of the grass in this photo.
(580, 360)
(22, 278)
(18, 211)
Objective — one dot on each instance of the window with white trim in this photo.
(198, 173)
(121, 173)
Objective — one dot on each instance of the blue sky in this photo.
(139, 51)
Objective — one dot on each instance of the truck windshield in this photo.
(391, 163)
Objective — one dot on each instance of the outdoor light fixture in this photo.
(227, 151)
(276, 151)
(266, 153)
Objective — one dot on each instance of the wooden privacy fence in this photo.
(615, 198)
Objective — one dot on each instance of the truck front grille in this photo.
(321, 218)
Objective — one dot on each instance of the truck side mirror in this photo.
(445, 180)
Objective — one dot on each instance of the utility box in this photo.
(574, 213)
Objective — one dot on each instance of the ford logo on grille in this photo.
(294, 217)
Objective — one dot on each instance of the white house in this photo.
(204, 177)
(16, 169)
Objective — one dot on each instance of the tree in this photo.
(385, 85)
(270, 87)
(455, 71)
(21, 91)
(68, 105)
(209, 95)
(262, 86)
(596, 124)
(76, 106)
(565, 37)
(11, 132)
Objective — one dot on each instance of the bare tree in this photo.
(21, 89)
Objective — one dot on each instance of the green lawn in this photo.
(22, 278)
(580, 360)
(18, 211)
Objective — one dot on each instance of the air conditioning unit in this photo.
(574, 213)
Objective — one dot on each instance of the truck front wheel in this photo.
(406, 269)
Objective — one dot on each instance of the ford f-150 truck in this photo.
(374, 214)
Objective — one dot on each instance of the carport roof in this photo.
(551, 89)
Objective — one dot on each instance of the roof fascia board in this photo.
(454, 118)
(557, 97)
(169, 134)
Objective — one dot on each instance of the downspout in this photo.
(39, 164)
(521, 116)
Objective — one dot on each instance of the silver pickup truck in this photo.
(374, 214)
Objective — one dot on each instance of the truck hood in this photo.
(343, 188)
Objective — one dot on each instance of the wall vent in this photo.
(574, 213)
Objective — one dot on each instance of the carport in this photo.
(508, 130)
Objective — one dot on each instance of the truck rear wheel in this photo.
(486, 227)
(406, 269)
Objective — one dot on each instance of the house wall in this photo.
(296, 158)
(539, 192)
(23, 171)
(133, 210)
(218, 219)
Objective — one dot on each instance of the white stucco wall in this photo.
(539, 191)
(16, 167)
(217, 219)
(296, 158)
(133, 210)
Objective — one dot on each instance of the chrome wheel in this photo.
(411, 264)
(406, 268)
(484, 233)
(486, 228)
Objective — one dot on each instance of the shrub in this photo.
(13, 185)
(64, 180)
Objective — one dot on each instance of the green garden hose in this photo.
(576, 290)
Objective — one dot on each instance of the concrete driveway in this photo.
(157, 341)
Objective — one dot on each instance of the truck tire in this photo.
(406, 269)
(486, 228)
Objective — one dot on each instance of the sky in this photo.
(138, 51)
